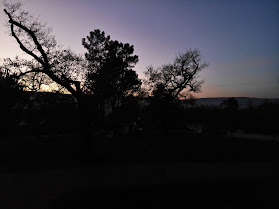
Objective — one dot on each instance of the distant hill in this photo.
(242, 101)
(35, 100)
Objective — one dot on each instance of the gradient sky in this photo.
(239, 39)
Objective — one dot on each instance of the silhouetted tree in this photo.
(9, 84)
(10, 90)
(61, 66)
(109, 71)
(230, 104)
(30, 81)
(175, 81)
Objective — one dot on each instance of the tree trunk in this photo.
(102, 114)
(87, 106)
(164, 127)
(164, 116)
(84, 130)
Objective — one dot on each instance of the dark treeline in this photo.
(31, 113)
(103, 79)
(101, 136)
(219, 119)
(99, 96)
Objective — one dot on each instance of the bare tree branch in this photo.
(32, 34)
(52, 70)
(177, 77)
(27, 72)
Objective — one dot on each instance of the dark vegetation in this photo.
(41, 134)
(109, 116)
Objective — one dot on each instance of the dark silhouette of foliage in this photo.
(110, 66)
(230, 108)
(109, 70)
(229, 104)
(10, 90)
(105, 75)
(61, 66)
(105, 79)
(259, 120)
(174, 81)
(9, 84)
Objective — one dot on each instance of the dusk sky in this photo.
(239, 39)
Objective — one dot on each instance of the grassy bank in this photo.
(33, 152)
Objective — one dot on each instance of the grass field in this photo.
(180, 170)
(33, 152)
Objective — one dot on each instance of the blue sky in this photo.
(239, 39)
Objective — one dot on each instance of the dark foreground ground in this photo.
(178, 171)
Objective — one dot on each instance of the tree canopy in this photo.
(46, 60)
(109, 70)
(176, 80)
